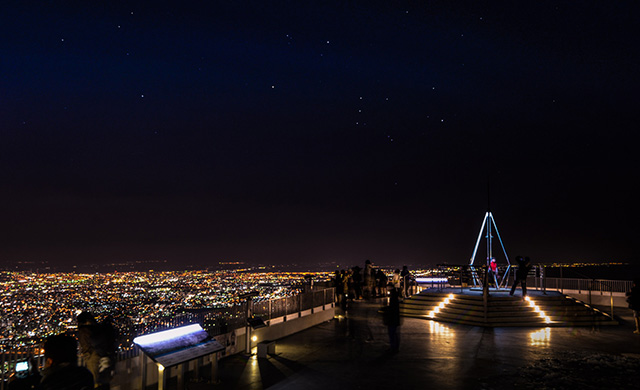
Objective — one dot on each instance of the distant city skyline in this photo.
(310, 133)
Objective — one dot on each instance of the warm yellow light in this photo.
(441, 305)
(527, 299)
(254, 338)
(436, 310)
(450, 296)
(446, 301)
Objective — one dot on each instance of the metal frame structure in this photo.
(489, 222)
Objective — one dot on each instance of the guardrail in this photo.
(600, 286)
(215, 321)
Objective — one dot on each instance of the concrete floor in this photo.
(337, 355)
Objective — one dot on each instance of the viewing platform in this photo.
(338, 355)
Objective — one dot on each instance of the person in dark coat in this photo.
(61, 366)
(633, 298)
(381, 279)
(405, 278)
(357, 282)
(524, 265)
(391, 318)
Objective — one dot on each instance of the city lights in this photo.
(37, 305)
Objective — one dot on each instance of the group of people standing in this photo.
(370, 282)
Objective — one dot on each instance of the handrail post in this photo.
(611, 295)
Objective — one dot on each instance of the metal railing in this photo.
(296, 304)
(215, 321)
(600, 286)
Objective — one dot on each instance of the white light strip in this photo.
(153, 338)
(432, 280)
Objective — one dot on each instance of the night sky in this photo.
(317, 131)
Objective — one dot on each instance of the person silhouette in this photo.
(524, 265)
(61, 366)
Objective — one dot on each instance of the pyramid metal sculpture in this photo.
(489, 223)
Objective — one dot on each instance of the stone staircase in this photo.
(553, 309)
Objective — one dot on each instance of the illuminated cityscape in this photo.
(36, 305)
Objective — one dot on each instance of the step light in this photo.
(440, 306)
(537, 309)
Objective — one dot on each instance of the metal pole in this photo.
(2, 371)
(485, 295)
(247, 348)
(162, 378)
(214, 368)
(143, 371)
(611, 292)
(180, 376)
(489, 238)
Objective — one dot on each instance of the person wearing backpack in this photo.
(97, 347)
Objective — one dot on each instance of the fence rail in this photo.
(600, 286)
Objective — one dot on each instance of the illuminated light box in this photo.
(178, 345)
(431, 280)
